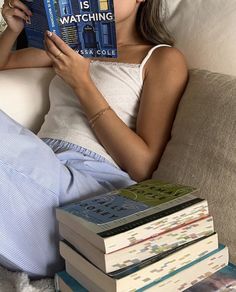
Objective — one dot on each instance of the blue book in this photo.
(86, 26)
(75, 280)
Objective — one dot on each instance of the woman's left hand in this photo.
(69, 65)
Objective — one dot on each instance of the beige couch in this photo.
(202, 149)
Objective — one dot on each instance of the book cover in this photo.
(138, 252)
(86, 26)
(142, 274)
(126, 216)
(223, 280)
(118, 207)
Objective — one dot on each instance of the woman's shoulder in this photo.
(164, 59)
(166, 56)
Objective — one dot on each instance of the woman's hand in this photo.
(69, 65)
(15, 13)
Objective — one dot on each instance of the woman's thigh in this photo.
(29, 193)
(24, 152)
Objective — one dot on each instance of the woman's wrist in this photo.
(12, 32)
(83, 85)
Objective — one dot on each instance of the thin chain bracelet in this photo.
(94, 118)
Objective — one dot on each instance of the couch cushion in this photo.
(205, 32)
(202, 148)
(24, 95)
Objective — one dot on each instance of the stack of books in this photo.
(151, 236)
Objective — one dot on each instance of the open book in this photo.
(87, 26)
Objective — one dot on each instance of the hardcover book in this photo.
(142, 274)
(145, 249)
(86, 26)
(193, 273)
(126, 216)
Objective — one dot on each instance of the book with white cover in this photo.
(196, 273)
(142, 274)
(140, 251)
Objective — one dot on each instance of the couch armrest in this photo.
(24, 95)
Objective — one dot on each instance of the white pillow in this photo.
(205, 31)
(24, 95)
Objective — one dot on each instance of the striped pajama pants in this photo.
(36, 176)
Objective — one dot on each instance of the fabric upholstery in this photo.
(202, 148)
(204, 31)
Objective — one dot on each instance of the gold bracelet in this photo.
(94, 118)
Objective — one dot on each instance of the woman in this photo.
(107, 126)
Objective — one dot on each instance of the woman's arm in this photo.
(139, 153)
(30, 57)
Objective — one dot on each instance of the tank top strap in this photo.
(148, 56)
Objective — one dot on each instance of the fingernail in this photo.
(28, 20)
(49, 33)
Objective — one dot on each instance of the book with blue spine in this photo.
(126, 216)
(64, 282)
(86, 26)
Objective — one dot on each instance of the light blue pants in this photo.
(37, 175)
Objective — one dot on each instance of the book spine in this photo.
(64, 282)
(87, 268)
(51, 16)
(76, 224)
(83, 280)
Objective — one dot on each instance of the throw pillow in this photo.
(202, 148)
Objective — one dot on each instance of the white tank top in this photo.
(119, 83)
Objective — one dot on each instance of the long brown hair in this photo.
(150, 22)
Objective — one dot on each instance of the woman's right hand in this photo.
(15, 13)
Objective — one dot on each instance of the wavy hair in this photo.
(150, 22)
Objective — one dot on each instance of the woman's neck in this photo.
(127, 34)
